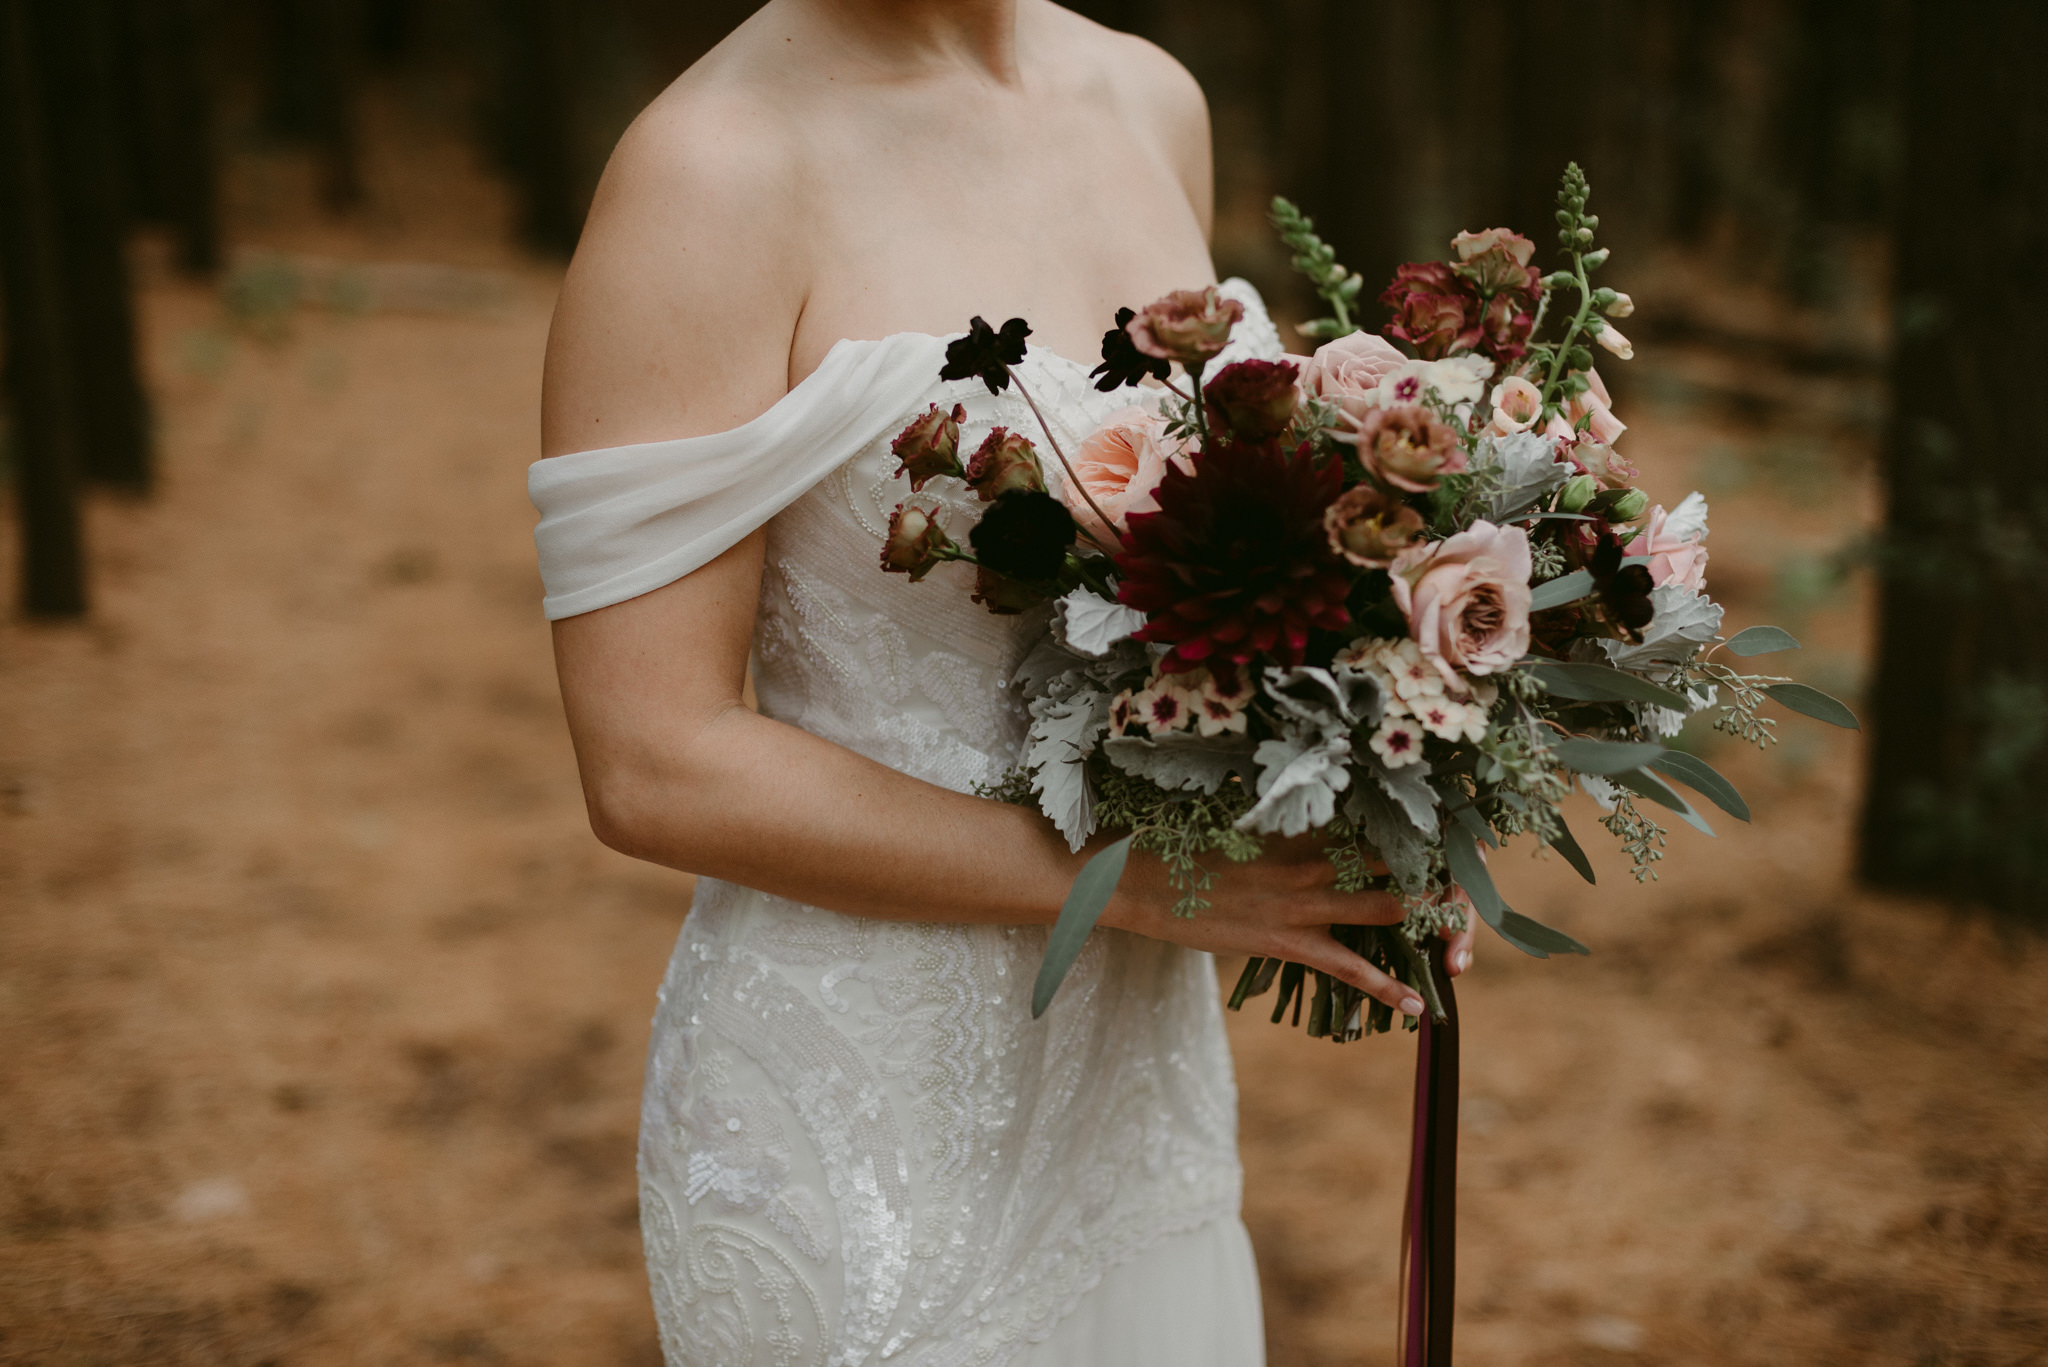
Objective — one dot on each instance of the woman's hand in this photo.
(1279, 906)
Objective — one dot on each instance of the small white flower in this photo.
(1122, 712)
(1398, 742)
(1442, 717)
(1610, 337)
(1235, 696)
(1213, 717)
(1414, 677)
(1164, 706)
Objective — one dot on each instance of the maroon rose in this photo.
(1254, 400)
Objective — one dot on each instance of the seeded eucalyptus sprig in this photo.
(1317, 260)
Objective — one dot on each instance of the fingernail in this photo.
(1411, 1006)
(1464, 960)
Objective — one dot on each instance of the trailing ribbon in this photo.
(1429, 1236)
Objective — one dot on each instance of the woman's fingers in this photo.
(1324, 954)
(1458, 943)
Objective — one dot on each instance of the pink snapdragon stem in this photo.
(1429, 1218)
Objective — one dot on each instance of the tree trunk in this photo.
(311, 90)
(76, 51)
(535, 114)
(45, 437)
(174, 174)
(1955, 803)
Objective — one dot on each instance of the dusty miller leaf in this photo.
(1300, 774)
(1181, 761)
(1064, 731)
(1523, 468)
(1092, 625)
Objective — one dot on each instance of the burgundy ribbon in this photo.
(1429, 1223)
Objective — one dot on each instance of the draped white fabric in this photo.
(623, 521)
(856, 1145)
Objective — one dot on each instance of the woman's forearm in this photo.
(760, 803)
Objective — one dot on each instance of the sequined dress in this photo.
(856, 1145)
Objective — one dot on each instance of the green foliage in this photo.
(1642, 839)
(1178, 827)
(1317, 260)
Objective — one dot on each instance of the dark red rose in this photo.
(1253, 400)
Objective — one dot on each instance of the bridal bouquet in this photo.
(1401, 595)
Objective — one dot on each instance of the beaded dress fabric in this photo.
(856, 1145)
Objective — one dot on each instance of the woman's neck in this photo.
(913, 36)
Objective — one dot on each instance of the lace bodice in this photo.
(857, 1146)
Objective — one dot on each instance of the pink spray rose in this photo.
(1120, 466)
(930, 445)
(1189, 326)
(1002, 462)
(1467, 600)
(916, 544)
(1673, 559)
(1408, 448)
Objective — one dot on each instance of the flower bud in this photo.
(1594, 260)
(929, 446)
(1576, 493)
(1254, 400)
(916, 544)
(1002, 462)
(1622, 306)
(1619, 505)
(1609, 336)
(1002, 595)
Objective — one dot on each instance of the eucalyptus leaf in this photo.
(1093, 887)
(1524, 930)
(1646, 784)
(1534, 951)
(1555, 593)
(1813, 703)
(1468, 816)
(1601, 683)
(1566, 844)
(1761, 641)
(1605, 756)
(1468, 871)
(1702, 778)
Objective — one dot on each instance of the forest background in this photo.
(324, 1011)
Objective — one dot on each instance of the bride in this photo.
(856, 1144)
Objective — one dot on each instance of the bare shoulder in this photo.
(1155, 93)
(676, 314)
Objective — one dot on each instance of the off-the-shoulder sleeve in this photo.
(624, 521)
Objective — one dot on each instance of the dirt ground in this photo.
(323, 1012)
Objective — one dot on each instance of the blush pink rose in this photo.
(1467, 600)
(1120, 466)
(1673, 560)
(1350, 368)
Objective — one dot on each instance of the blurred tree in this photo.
(309, 89)
(75, 54)
(534, 119)
(1955, 800)
(173, 170)
(45, 442)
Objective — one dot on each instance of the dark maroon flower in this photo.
(1024, 534)
(1623, 590)
(1435, 312)
(1236, 565)
(1002, 462)
(987, 353)
(1122, 362)
(1504, 327)
(930, 446)
(1253, 400)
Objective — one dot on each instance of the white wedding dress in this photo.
(856, 1145)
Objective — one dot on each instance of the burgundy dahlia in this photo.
(1236, 566)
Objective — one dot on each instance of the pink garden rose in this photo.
(1120, 466)
(1467, 600)
(1348, 371)
(1189, 326)
(1673, 559)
